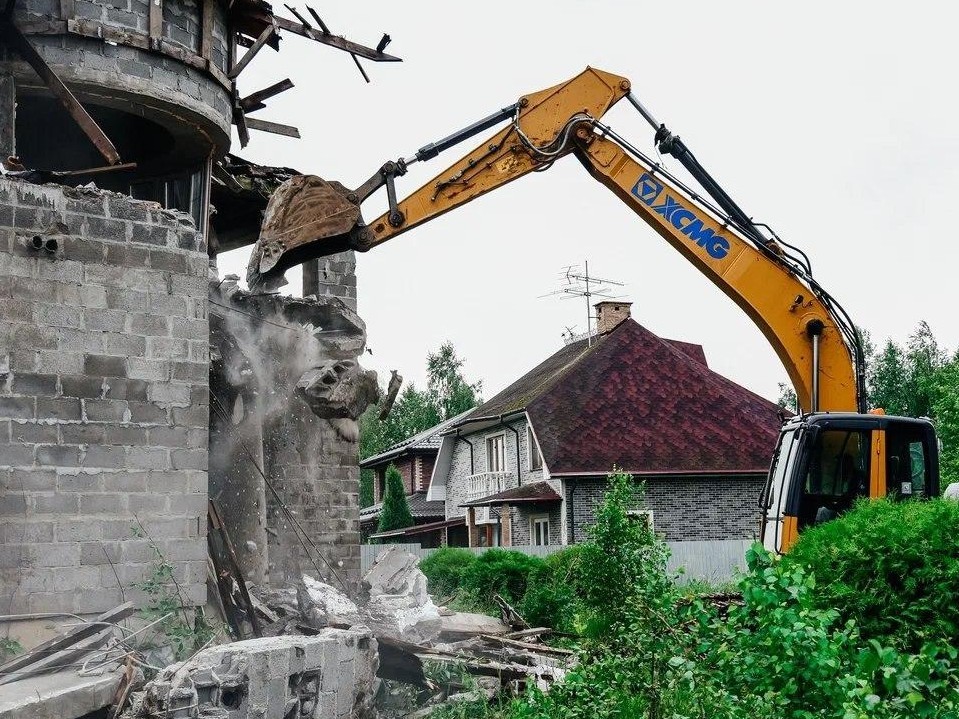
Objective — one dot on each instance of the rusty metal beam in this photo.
(11, 33)
(262, 40)
(275, 127)
(254, 101)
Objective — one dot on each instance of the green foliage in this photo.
(446, 570)
(9, 648)
(184, 630)
(396, 507)
(622, 564)
(945, 408)
(500, 571)
(448, 391)
(787, 398)
(552, 598)
(893, 567)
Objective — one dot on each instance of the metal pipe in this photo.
(519, 471)
(814, 329)
(642, 110)
(463, 439)
(428, 152)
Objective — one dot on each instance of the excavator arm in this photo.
(813, 339)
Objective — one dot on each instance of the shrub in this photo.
(552, 598)
(891, 566)
(623, 565)
(446, 570)
(503, 572)
(396, 507)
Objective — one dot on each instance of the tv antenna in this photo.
(579, 283)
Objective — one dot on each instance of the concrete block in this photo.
(148, 458)
(125, 481)
(173, 393)
(17, 407)
(103, 320)
(53, 455)
(104, 457)
(148, 369)
(61, 361)
(77, 481)
(126, 345)
(74, 340)
(59, 408)
(106, 410)
(126, 389)
(58, 504)
(25, 383)
(127, 300)
(148, 413)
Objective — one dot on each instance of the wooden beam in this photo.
(333, 40)
(156, 23)
(262, 40)
(206, 32)
(275, 127)
(14, 37)
(254, 101)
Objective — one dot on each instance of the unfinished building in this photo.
(117, 194)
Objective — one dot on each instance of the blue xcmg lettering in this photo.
(686, 222)
(683, 219)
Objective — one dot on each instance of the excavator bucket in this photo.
(306, 217)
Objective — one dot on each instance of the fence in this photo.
(713, 562)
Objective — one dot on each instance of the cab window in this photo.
(837, 475)
(907, 464)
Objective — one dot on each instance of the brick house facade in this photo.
(529, 466)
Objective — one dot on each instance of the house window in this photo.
(539, 530)
(535, 457)
(496, 453)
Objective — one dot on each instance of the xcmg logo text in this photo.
(683, 219)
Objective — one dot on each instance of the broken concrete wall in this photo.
(103, 398)
(288, 391)
(328, 676)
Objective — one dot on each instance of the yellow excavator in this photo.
(827, 456)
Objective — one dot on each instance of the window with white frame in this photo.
(539, 530)
(496, 453)
(642, 515)
(535, 457)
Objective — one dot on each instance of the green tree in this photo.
(448, 390)
(945, 410)
(787, 398)
(887, 380)
(396, 508)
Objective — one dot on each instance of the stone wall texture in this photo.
(104, 360)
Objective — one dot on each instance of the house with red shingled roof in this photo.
(529, 466)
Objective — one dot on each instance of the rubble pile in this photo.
(314, 652)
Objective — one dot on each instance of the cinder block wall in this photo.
(684, 508)
(103, 398)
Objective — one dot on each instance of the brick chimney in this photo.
(611, 313)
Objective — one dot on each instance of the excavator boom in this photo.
(312, 218)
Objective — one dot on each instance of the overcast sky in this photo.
(835, 122)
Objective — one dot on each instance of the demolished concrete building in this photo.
(116, 429)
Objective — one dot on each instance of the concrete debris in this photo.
(399, 605)
(328, 676)
(463, 625)
(63, 695)
(332, 602)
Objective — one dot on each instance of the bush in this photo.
(446, 570)
(552, 597)
(891, 566)
(503, 572)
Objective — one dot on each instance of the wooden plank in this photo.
(91, 129)
(71, 636)
(156, 22)
(527, 646)
(333, 40)
(51, 661)
(254, 101)
(206, 31)
(275, 127)
(262, 40)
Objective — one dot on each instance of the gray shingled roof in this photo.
(429, 439)
(419, 508)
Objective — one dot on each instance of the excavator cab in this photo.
(826, 462)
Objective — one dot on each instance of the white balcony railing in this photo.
(487, 483)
